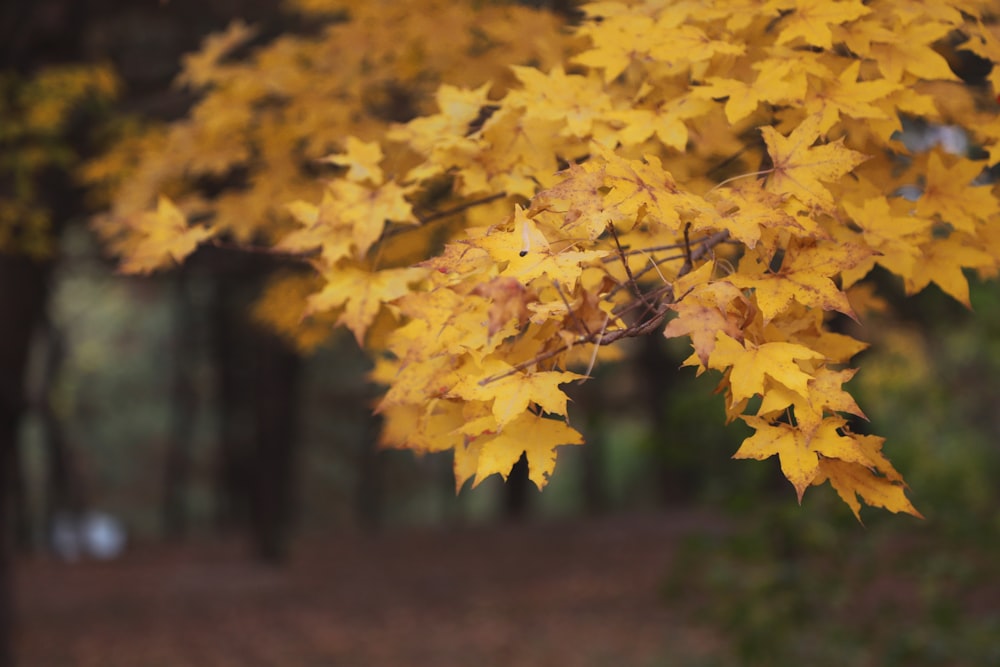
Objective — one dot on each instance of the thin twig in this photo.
(458, 208)
(580, 323)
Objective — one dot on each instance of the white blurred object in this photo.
(95, 534)
(951, 138)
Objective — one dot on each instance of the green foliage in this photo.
(802, 589)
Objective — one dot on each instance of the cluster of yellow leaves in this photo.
(264, 122)
(35, 118)
(732, 169)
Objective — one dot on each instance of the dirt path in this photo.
(565, 594)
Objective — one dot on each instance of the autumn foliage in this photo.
(729, 171)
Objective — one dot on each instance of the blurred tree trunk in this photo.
(231, 478)
(591, 401)
(658, 374)
(23, 287)
(65, 491)
(369, 493)
(184, 407)
(275, 401)
(258, 392)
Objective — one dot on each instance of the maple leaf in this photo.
(849, 97)
(427, 427)
(825, 396)
(166, 238)
(942, 261)
(948, 193)
(780, 79)
(509, 299)
(578, 199)
(357, 210)
(363, 158)
(851, 480)
(496, 454)
(707, 310)
(746, 210)
(853, 464)
(799, 462)
(618, 41)
(897, 238)
(513, 391)
(578, 101)
(456, 322)
(806, 276)
(665, 121)
(320, 230)
(644, 188)
(910, 49)
(202, 68)
(362, 294)
(811, 20)
(753, 364)
(800, 168)
(524, 253)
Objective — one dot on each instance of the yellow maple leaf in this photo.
(811, 20)
(753, 364)
(575, 100)
(854, 465)
(949, 193)
(746, 210)
(942, 261)
(166, 238)
(508, 298)
(320, 230)
(496, 454)
(362, 158)
(523, 252)
(825, 396)
(892, 231)
(430, 426)
(202, 67)
(577, 199)
(642, 189)
(910, 49)
(706, 310)
(456, 322)
(780, 79)
(618, 41)
(800, 168)
(851, 480)
(365, 211)
(805, 276)
(362, 294)
(512, 392)
(848, 96)
(799, 462)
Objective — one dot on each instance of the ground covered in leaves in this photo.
(561, 594)
(678, 589)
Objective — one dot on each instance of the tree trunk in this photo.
(275, 401)
(258, 382)
(64, 485)
(231, 478)
(658, 375)
(23, 288)
(184, 407)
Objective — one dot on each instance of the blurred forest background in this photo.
(157, 441)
